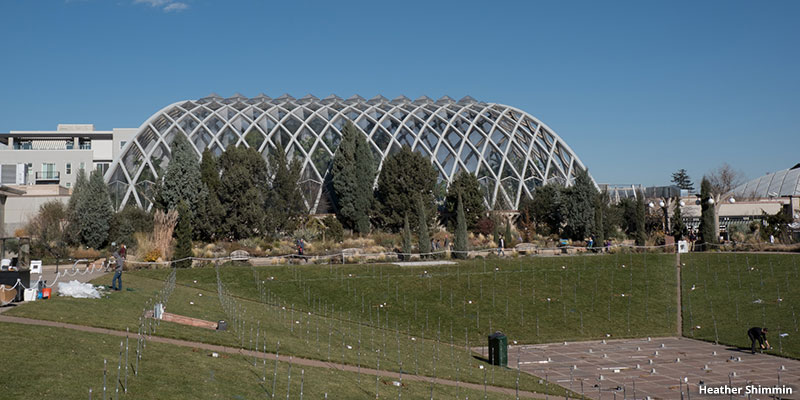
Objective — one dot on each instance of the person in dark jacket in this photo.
(758, 334)
(117, 271)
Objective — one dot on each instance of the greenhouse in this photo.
(511, 152)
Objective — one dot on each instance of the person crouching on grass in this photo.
(760, 335)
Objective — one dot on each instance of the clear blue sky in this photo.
(638, 89)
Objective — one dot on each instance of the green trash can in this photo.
(498, 349)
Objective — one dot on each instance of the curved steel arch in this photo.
(509, 150)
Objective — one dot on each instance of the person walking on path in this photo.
(758, 334)
(502, 244)
(117, 272)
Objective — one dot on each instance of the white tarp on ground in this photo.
(78, 290)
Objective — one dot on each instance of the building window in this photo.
(68, 185)
(102, 167)
(82, 165)
(68, 168)
(48, 170)
(122, 144)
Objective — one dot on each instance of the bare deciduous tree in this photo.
(724, 179)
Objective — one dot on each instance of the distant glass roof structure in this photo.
(777, 184)
(511, 152)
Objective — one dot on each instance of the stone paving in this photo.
(657, 368)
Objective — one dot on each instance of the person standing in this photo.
(760, 335)
(117, 280)
(500, 250)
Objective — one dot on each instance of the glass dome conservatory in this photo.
(510, 151)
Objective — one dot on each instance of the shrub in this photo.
(485, 226)
(333, 229)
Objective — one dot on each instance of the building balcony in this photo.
(48, 177)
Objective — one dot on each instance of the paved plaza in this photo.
(658, 368)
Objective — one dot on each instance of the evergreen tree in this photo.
(601, 204)
(466, 186)
(242, 192)
(404, 177)
(507, 236)
(128, 221)
(182, 180)
(546, 209)
(580, 199)
(209, 223)
(94, 212)
(640, 233)
(681, 179)
(79, 191)
(285, 203)
(679, 230)
(708, 234)
(424, 238)
(406, 237)
(353, 174)
(460, 240)
(183, 233)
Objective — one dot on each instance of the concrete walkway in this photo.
(294, 360)
(654, 368)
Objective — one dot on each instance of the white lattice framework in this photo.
(511, 152)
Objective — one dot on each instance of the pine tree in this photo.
(467, 186)
(424, 238)
(681, 179)
(353, 174)
(404, 177)
(79, 191)
(182, 181)
(679, 230)
(460, 240)
(94, 212)
(209, 223)
(406, 237)
(708, 234)
(640, 233)
(243, 188)
(284, 202)
(183, 233)
(580, 199)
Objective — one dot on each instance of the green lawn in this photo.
(311, 336)
(727, 293)
(55, 363)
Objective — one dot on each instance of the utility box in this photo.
(498, 349)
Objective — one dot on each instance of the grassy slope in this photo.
(59, 363)
(727, 288)
(122, 309)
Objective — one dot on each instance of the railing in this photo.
(48, 176)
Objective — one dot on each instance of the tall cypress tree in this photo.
(406, 237)
(708, 234)
(183, 233)
(424, 238)
(601, 202)
(94, 212)
(679, 230)
(640, 233)
(353, 174)
(460, 240)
